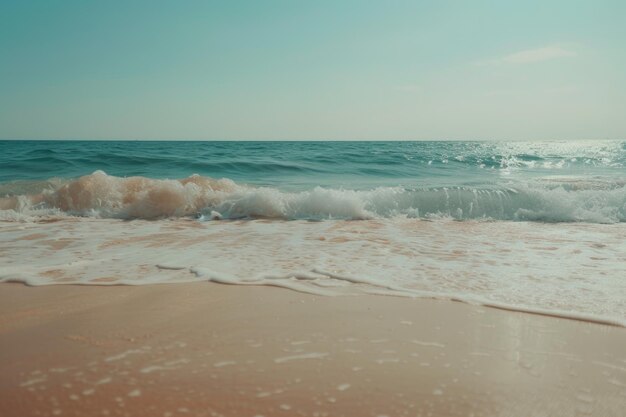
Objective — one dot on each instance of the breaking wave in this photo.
(106, 196)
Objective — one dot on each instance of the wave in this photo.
(106, 196)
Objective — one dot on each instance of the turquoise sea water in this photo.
(544, 181)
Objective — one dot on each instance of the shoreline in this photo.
(560, 314)
(208, 349)
(474, 262)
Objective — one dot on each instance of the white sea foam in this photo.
(101, 195)
(566, 269)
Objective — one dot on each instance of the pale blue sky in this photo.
(312, 70)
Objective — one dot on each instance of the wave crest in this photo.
(102, 195)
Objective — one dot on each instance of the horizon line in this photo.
(300, 140)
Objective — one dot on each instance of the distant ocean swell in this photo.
(274, 162)
(595, 200)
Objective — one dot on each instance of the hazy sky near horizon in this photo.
(312, 70)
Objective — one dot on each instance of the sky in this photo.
(313, 70)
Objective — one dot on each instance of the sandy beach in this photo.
(206, 349)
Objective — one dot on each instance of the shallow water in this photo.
(570, 269)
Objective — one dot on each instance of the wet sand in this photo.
(206, 349)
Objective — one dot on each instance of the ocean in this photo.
(528, 226)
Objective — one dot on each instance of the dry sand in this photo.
(213, 350)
